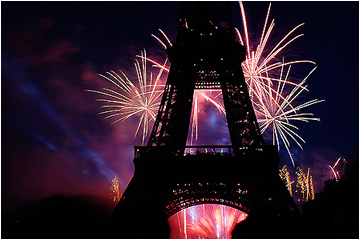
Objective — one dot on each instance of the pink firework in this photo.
(205, 221)
(273, 91)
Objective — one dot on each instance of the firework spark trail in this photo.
(116, 191)
(301, 181)
(268, 82)
(277, 112)
(285, 176)
(205, 221)
(256, 63)
(205, 95)
(305, 183)
(336, 177)
(336, 174)
(129, 100)
(216, 104)
(194, 120)
(161, 42)
(311, 185)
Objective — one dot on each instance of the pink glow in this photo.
(205, 221)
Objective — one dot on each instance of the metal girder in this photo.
(205, 56)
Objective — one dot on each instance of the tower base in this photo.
(164, 184)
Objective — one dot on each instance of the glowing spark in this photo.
(205, 221)
(129, 100)
(161, 42)
(205, 95)
(194, 120)
(116, 191)
(305, 183)
(159, 65)
(216, 104)
(285, 176)
(336, 174)
(166, 37)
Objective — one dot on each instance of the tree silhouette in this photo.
(334, 213)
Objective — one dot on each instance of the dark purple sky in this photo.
(53, 141)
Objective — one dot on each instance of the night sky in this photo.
(53, 141)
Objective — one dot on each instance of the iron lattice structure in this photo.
(205, 56)
(170, 176)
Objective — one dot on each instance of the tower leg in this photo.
(172, 124)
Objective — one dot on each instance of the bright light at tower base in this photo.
(205, 221)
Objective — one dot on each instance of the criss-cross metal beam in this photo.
(205, 55)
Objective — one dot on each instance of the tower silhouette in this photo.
(170, 176)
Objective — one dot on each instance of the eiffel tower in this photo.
(170, 176)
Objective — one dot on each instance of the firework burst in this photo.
(273, 93)
(275, 110)
(259, 63)
(128, 100)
